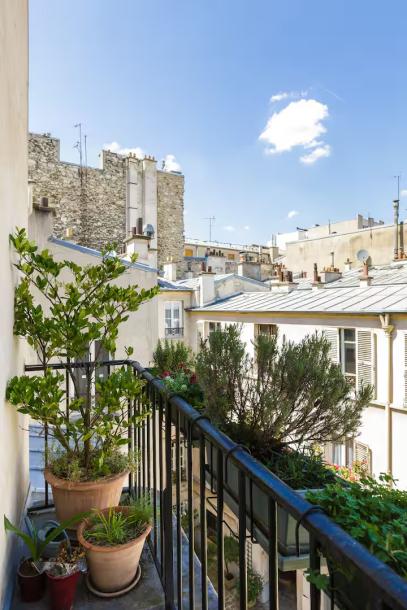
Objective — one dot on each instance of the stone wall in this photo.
(92, 203)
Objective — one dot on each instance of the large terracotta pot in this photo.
(72, 498)
(112, 568)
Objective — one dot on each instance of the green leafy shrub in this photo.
(185, 385)
(172, 357)
(371, 512)
(231, 552)
(61, 308)
(255, 585)
(301, 469)
(290, 394)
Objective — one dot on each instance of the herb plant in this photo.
(118, 527)
(301, 469)
(172, 357)
(371, 512)
(61, 308)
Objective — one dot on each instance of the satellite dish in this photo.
(362, 256)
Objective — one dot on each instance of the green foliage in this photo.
(301, 469)
(288, 394)
(79, 305)
(184, 384)
(373, 513)
(119, 527)
(172, 356)
(321, 581)
(31, 540)
(255, 585)
(231, 552)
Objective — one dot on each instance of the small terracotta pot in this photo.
(112, 568)
(72, 498)
(32, 587)
(62, 590)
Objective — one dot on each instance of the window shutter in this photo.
(363, 454)
(333, 337)
(365, 359)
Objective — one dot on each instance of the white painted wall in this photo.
(14, 212)
(141, 329)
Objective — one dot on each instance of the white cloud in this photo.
(292, 213)
(229, 228)
(285, 95)
(317, 153)
(299, 124)
(116, 148)
(246, 228)
(403, 193)
(170, 164)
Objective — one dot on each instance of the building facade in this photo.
(126, 196)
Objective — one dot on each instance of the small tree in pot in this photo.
(61, 308)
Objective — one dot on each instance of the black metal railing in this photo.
(222, 477)
(177, 331)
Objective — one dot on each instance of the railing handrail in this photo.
(342, 547)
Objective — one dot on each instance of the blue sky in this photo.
(195, 80)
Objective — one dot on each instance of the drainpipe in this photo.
(388, 329)
(396, 228)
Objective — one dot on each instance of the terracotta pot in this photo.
(112, 568)
(72, 498)
(32, 586)
(62, 590)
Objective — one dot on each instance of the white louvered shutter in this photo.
(332, 334)
(365, 359)
(405, 371)
(363, 455)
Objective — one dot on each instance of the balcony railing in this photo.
(177, 331)
(222, 476)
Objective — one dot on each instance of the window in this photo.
(189, 252)
(173, 319)
(214, 326)
(347, 338)
(231, 257)
(266, 329)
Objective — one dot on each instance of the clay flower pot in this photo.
(112, 568)
(32, 584)
(62, 590)
(72, 498)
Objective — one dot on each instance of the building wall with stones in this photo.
(93, 204)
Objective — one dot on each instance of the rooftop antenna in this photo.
(85, 138)
(398, 186)
(211, 220)
(78, 145)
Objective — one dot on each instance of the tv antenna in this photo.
(211, 220)
(78, 145)
(398, 186)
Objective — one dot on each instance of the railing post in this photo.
(242, 541)
(167, 518)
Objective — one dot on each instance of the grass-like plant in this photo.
(61, 308)
(172, 357)
(114, 527)
(35, 545)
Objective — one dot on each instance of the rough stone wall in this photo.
(170, 217)
(94, 207)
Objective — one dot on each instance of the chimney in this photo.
(347, 265)
(365, 279)
(316, 282)
(401, 249)
(206, 288)
(396, 228)
(170, 271)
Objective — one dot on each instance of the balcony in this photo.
(177, 332)
(204, 487)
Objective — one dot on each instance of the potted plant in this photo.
(30, 574)
(374, 513)
(62, 309)
(113, 540)
(63, 573)
(287, 396)
(231, 555)
(255, 585)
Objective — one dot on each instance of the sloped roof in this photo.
(98, 254)
(369, 299)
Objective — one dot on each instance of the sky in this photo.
(280, 114)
